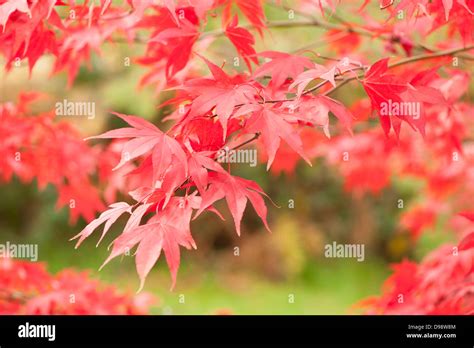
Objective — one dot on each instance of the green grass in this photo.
(333, 290)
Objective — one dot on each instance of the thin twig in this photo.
(255, 137)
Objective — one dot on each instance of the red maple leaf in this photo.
(166, 231)
(384, 90)
(109, 217)
(252, 9)
(147, 137)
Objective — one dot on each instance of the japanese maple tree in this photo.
(289, 104)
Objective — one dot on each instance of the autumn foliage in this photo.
(440, 284)
(289, 105)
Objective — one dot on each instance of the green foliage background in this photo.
(271, 267)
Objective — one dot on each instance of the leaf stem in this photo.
(255, 137)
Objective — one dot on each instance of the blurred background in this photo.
(258, 273)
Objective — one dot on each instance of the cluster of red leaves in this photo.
(27, 288)
(35, 146)
(455, 14)
(178, 169)
(71, 31)
(53, 153)
(32, 28)
(442, 283)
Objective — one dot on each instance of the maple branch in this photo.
(274, 24)
(428, 49)
(449, 52)
(343, 26)
(405, 61)
(337, 77)
(348, 28)
(386, 37)
(221, 32)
